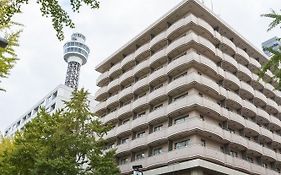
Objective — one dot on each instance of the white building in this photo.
(51, 102)
(75, 54)
(185, 99)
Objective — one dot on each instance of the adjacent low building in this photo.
(273, 43)
(75, 55)
(51, 102)
(185, 99)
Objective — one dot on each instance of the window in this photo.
(157, 128)
(53, 107)
(157, 107)
(112, 110)
(182, 144)
(142, 95)
(250, 159)
(157, 151)
(180, 119)
(141, 114)
(127, 86)
(233, 153)
(126, 102)
(124, 140)
(123, 161)
(200, 94)
(203, 142)
(157, 87)
(202, 118)
(179, 97)
(157, 68)
(140, 156)
(140, 134)
(179, 76)
(125, 121)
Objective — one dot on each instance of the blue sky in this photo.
(41, 66)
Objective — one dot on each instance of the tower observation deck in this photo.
(75, 54)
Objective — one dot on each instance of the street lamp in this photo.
(3, 42)
(136, 170)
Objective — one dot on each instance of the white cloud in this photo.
(41, 66)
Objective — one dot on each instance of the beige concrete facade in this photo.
(184, 98)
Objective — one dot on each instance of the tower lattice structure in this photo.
(75, 54)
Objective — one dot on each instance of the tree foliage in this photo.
(68, 141)
(48, 8)
(274, 63)
(8, 56)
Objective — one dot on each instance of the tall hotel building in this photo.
(185, 99)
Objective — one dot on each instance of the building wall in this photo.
(51, 102)
(196, 78)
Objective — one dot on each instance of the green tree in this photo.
(6, 149)
(274, 62)
(49, 8)
(68, 141)
(8, 56)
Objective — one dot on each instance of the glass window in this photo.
(123, 161)
(157, 128)
(182, 144)
(179, 97)
(125, 121)
(140, 156)
(141, 114)
(180, 119)
(203, 142)
(157, 107)
(140, 134)
(180, 75)
(124, 140)
(158, 86)
(157, 151)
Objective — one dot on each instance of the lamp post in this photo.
(136, 170)
(3, 42)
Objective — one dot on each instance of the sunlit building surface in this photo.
(185, 99)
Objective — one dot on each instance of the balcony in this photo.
(241, 56)
(125, 128)
(158, 74)
(158, 38)
(127, 60)
(269, 153)
(244, 73)
(246, 90)
(229, 63)
(144, 48)
(157, 56)
(127, 77)
(112, 71)
(113, 84)
(102, 79)
(101, 94)
(157, 137)
(140, 121)
(228, 46)
(139, 143)
(141, 84)
(141, 66)
(231, 81)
